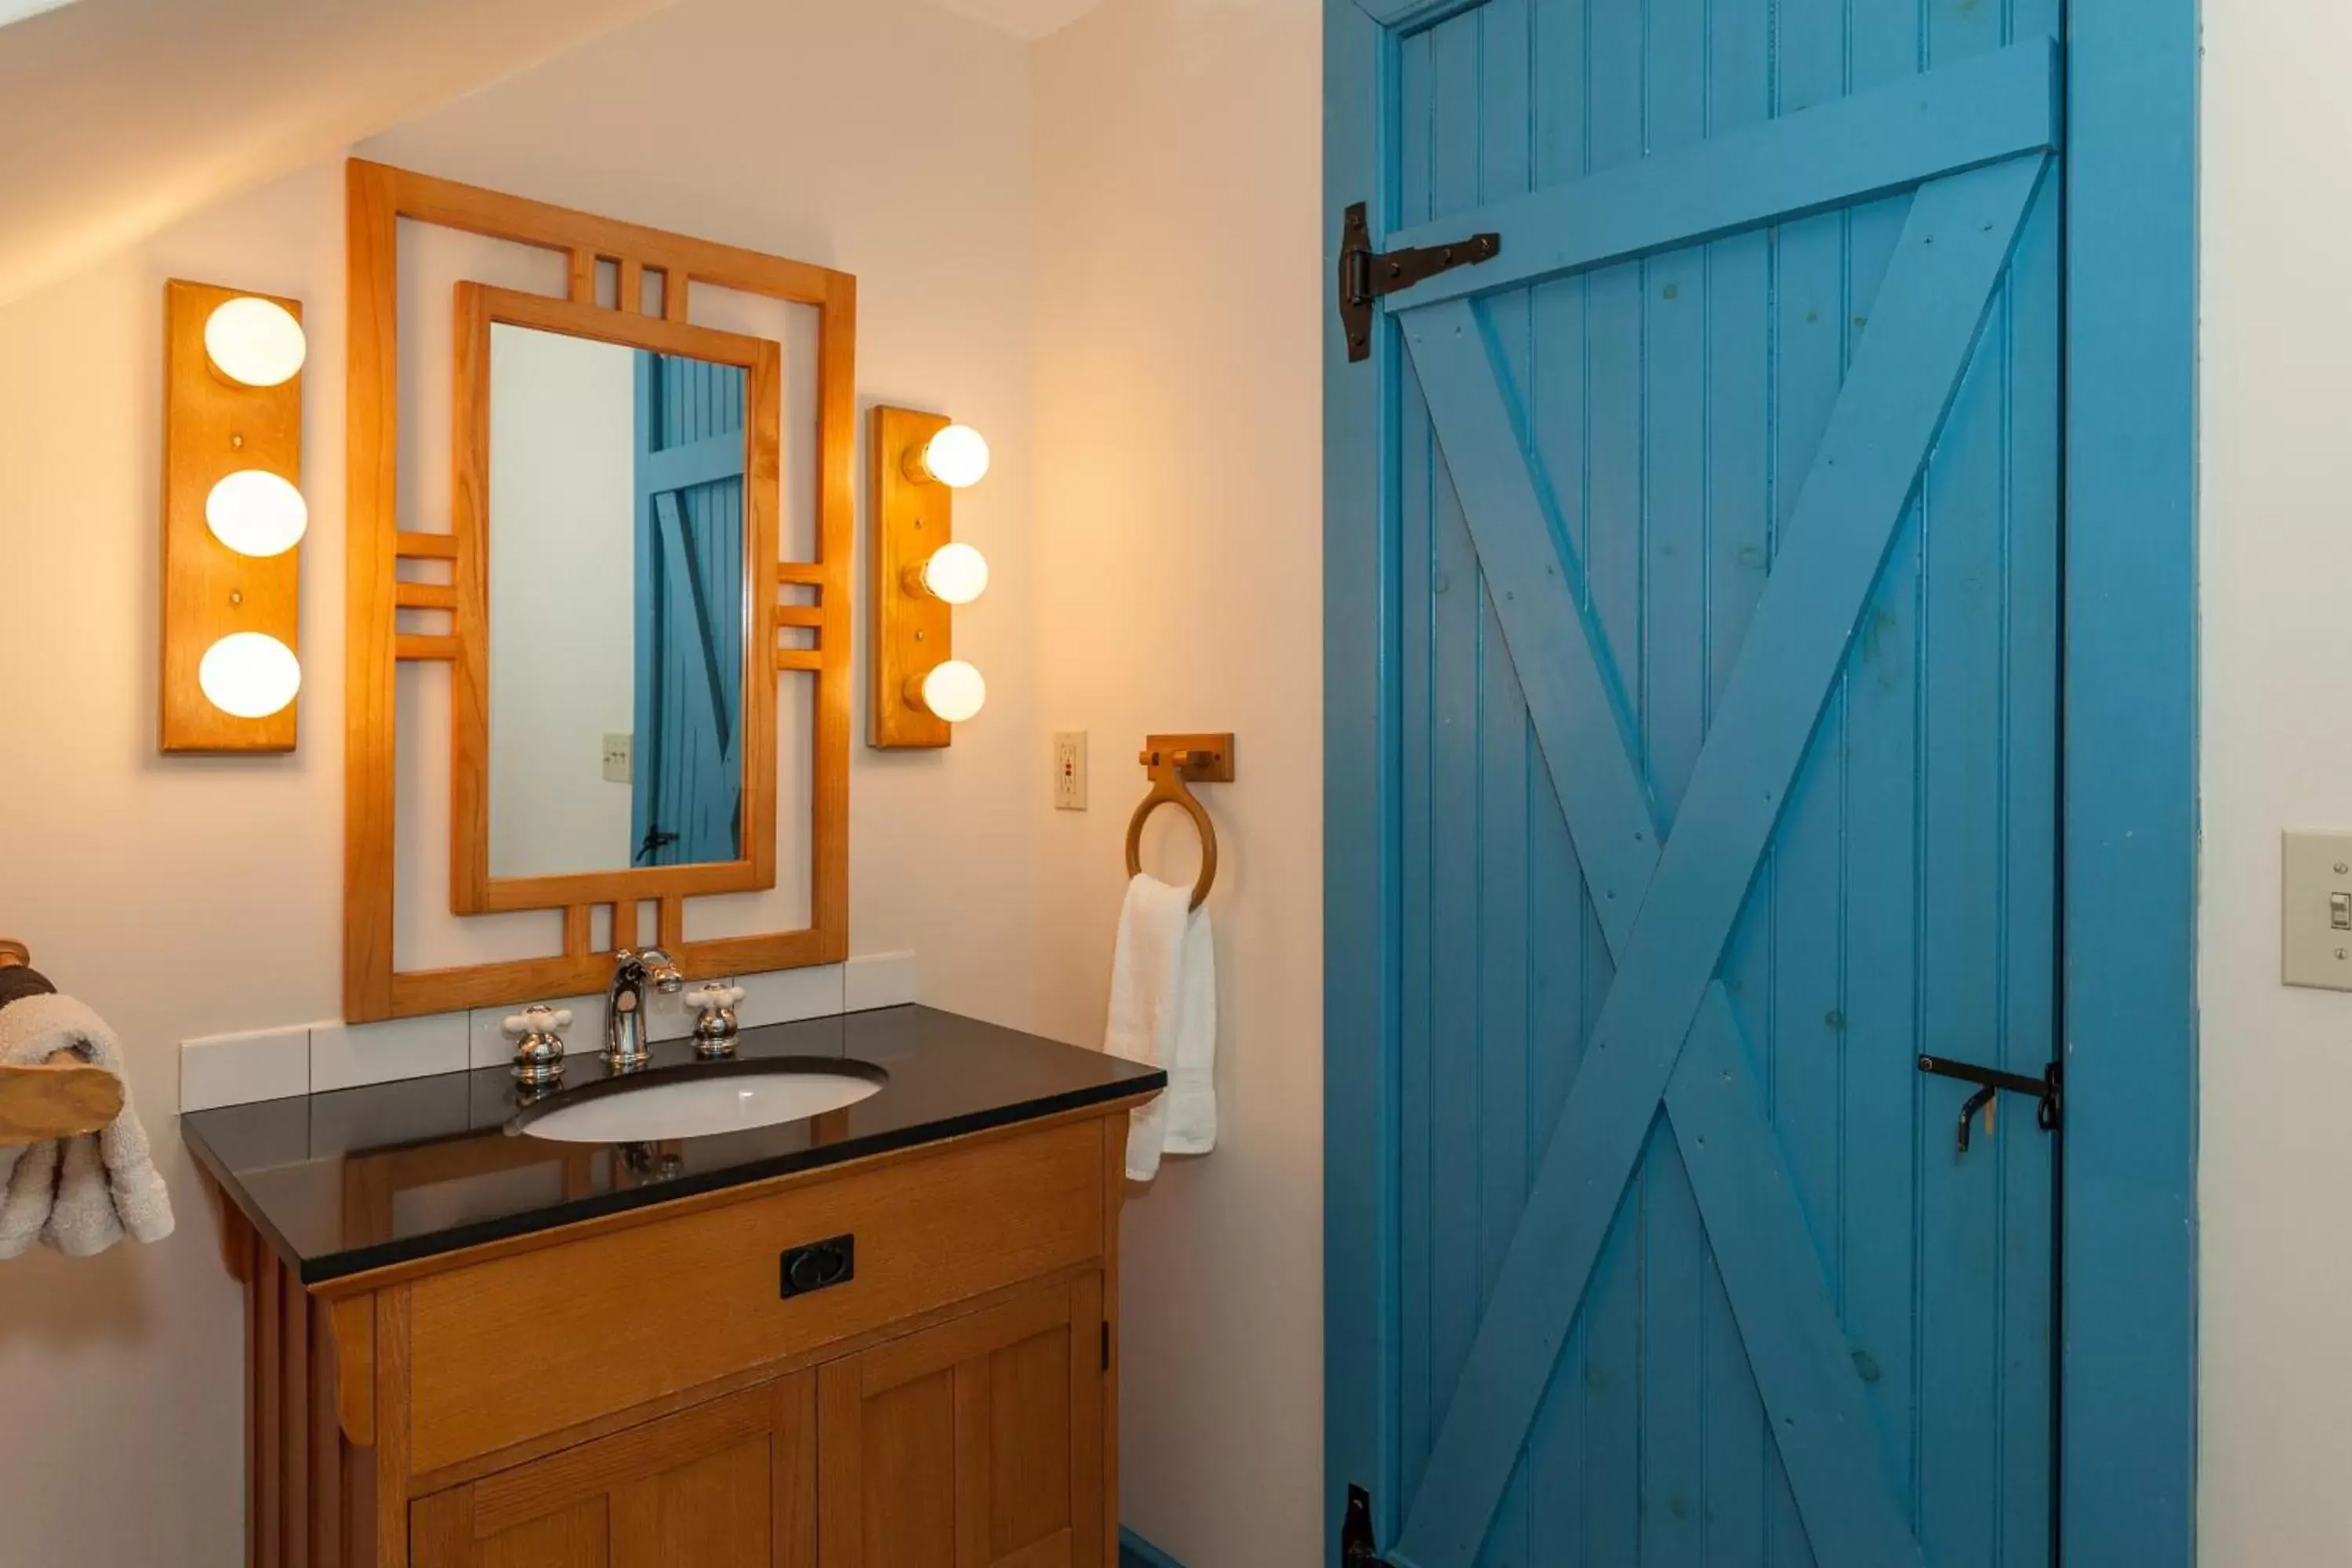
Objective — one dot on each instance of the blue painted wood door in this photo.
(687, 804)
(1716, 782)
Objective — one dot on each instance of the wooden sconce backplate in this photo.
(912, 632)
(213, 428)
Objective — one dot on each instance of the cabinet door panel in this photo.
(729, 1484)
(977, 1444)
(907, 1449)
(717, 1511)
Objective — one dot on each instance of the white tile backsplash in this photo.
(237, 1069)
(344, 1055)
(782, 995)
(312, 1058)
(878, 980)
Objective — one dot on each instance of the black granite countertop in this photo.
(361, 1178)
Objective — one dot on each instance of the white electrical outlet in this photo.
(1069, 770)
(620, 758)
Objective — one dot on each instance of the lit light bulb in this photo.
(250, 674)
(256, 512)
(955, 574)
(956, 456)
(953, 690)
(256, 341)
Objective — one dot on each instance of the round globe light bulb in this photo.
(250, 674)
(953, 690)
(956, 456)
(256, 512)
(256, 341)
(956, 574)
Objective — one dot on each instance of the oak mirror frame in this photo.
(751, 865)
(775, 596)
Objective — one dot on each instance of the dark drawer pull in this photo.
(814, 1266)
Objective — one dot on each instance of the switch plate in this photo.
(620, 758)
(1069, 770)
(2315, 888)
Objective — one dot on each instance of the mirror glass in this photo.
(616, 605)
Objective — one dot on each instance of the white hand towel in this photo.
(1163, 1012)
(78, 1194)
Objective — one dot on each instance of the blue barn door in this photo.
(688, 802)
(1694, 626)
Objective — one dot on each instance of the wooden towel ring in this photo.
(59, 1099)
(1176, 762)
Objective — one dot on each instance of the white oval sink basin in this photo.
(698, 1105)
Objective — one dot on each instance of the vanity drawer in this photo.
(511, 1349)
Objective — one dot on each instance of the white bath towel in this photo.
(1163, 1011)
(77, 1194)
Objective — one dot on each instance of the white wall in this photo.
(184, 896)
(2275, 1159)
(563, 613)
(1178, 561)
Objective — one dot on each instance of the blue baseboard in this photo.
(1134, 1551)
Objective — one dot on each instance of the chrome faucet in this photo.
(624, 1004)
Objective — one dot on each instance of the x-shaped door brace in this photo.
(1667, 1035)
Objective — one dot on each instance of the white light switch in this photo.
(2315, 911)
(619, 758)
(1069, 770)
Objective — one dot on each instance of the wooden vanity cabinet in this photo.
(638, 1392)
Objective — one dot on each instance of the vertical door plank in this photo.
(1674, 316)
(1418, 478)
(1563, 978)
(1740, 347)
(1503, 110)
(1616, 544)
(1453, 1029)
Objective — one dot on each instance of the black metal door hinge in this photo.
(1366, 274)
(1106, 1346)
(2048, 1091)
(1357, 1549)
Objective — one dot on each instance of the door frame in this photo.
(2127, 1372)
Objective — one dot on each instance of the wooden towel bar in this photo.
(59, 1099)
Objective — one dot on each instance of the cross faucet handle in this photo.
(539, 1044)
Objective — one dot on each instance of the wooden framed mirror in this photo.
(611, 573)
(616, 488)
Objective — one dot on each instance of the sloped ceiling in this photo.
(1029, 19)
(118, 117)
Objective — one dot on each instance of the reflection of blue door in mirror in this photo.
(688, 781)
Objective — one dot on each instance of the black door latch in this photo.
(1366, 274)
(1356, 1546)
(2048, 1090)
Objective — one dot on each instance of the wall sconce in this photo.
(920, 691)
(234, 518)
